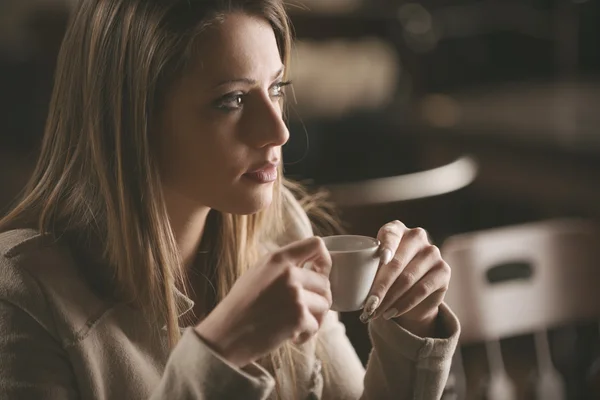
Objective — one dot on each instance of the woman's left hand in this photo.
(411, 282)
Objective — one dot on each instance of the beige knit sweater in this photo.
(59, 340)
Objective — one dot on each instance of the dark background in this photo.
(521, 77)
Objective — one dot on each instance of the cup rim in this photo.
(376, 243)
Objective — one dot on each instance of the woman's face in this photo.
(221, 129)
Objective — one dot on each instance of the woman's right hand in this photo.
(272, 303)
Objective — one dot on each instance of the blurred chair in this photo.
(520, 280)
(434, 182)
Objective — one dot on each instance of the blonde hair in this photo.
(97, 176)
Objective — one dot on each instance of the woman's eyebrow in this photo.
(248, 81)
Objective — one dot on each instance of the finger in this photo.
(426, 259)
(316, 283)
(314, 314)
(311, 327)
(311, 250)
(412, 241)
(390, 236)
(317, 305)
(436, 281)
(428, 307)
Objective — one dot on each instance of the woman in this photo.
(156, 252)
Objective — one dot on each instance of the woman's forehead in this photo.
(239, 47)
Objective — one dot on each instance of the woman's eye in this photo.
(231, 102)
(277, 89)
(235, 101)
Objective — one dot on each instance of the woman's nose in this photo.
(266, 126)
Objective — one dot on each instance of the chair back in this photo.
(522, 279)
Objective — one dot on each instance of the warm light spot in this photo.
(439, 110)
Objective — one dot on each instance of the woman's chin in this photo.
(251, 203)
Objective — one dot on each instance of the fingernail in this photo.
(371, 304)
(386, 256)
(370, 307)
(389, 314)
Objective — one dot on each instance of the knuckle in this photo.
(395, 266)
(398, 224)
(316, 242)
(445, 267)
(420, 233)
(412, 234)
(320, 243)
(392, 228)
(407, 279)
(387, 230)
(432, 251)
(425, 289)
(277, 258)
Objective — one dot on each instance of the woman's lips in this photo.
(267, 174)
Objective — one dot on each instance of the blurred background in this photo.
(476, 119)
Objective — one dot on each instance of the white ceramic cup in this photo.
(355, 263)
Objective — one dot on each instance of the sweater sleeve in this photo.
(195, 371)
(34, 364)
(401, 365)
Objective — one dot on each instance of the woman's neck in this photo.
(187, 221)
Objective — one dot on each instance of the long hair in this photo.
(97, 175)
